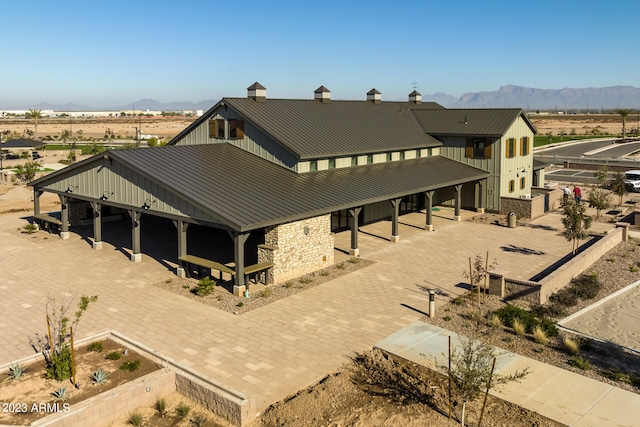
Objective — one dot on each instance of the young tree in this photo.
(617, 186)
(624, 112)
(472, 369)
(601, 175)
(576, 224)
(27, 171)
(600, 199)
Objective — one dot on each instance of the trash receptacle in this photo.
(511, 220)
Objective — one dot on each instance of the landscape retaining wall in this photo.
(523, 208)
(539, 292)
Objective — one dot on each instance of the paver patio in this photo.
(271, 352)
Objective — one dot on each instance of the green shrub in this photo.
(564, 297)
(114, 355)
(580, 363)
(585, 286)
(305, 280)
(130, 366)
(240, 304)
(354, 260)
(30, 228)
(509, 312)
(341, 266)
(446, 318)
(288, 284)
(95, 346)
(459, 300)
(265, 293)
(59, 365)
(161, 406)
(205, 286)
(616, 374)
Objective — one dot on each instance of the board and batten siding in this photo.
(454, 148)
(255, 141)
(125, 188)
(518, 166)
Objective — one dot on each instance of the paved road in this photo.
(591, 151)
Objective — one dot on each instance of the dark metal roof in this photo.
(22, 143)
(312, 129)
(492, 122)
(249, 192)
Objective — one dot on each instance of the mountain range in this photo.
(510, 96)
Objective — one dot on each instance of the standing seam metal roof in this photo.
(492, 122)
(250, 192)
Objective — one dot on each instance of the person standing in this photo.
(577, 193)
(565, 195)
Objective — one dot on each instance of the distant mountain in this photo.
(441, 98)
(551, 99)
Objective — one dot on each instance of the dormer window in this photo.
(217, 129)
(236, 129)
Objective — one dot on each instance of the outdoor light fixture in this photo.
(71, 188)
(105, 196)
(147, 204)
(306, 230)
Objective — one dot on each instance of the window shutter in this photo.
(506, 147)
(240, 129)
(487, 148)
(212, 128)
(468, 152)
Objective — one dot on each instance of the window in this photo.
(354, 161)
(388, 157)
(511, 148)
(523, 181)
(313, 165)
(478, 148)
(369, 159)
(402, 155)
(236, 129)
(512, 186)
(216, 128)
(524, 146)
(332, 163)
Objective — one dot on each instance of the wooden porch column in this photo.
(36, 201)
(240, 286)
(395, 236)
(354, 250)
(428, 198)
(64, 217)
(479, 195)
(182, 227)
(136, 256)
(456, 215)
(97, 225)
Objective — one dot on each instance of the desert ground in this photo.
(168, 127)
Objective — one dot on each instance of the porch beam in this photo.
(97, 225)
(136, 256)
(395, 235)
(428, 198)
(64, 217)
(354, 212)
(456, 215)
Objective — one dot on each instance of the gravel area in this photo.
(260, 295)
(616, 270)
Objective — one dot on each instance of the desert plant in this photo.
(130, 366)
(99, 376)
(288, 284)
(580, 363)
(27, 171)
(494, 321)
(509, 313)
(618, 186)
(95, 346)
(161, 406)
(16, 370)
(540, 335)
(265, 293)
(341, 266)
(616, 374)
(60, 395)
(240, 304)
(572, 346)
(518, 327)
(135, 419)
(585, 286)
(600, 199)
(114, 355)
(182, 410)
(30, 228)
(354, 260)
(199, 420)
(205, 286)
(307, 280)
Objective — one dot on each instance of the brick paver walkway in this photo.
(271, 352)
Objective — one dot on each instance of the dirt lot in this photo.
(581, 124)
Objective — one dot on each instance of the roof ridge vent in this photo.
(322, 94)
(257, 92)
(374, 96)
(415, 97)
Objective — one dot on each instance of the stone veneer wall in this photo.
(295, 253)
(523, 208)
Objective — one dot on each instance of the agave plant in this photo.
(60, 394)
(99, 376)
(16, 370)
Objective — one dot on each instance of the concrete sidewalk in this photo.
(555, 393)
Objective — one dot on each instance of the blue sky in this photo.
(115, 52)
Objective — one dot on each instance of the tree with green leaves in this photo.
(600, 199)
(624, 112)
(618, 186)
(576, 224)
(472, 369)
(27, 171)
(601, 175)
(34, 115)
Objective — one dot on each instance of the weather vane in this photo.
(415, 85)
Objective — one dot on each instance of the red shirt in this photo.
(577, 192)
